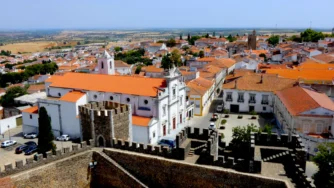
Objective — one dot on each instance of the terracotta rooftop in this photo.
(324, 58)
(206, 59)
(223, 62)
(119, 63)
(269, 83)
(153, 69)
(199, 86)
(306, 75)
(109, 83)
(141, 121)
(73, 96)
(298, 100)
(31, 110)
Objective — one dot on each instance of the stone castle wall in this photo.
(105, 120)
(160, 172)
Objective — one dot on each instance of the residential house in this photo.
(253, 92)
(122, 68)
(307, 113)
(200, 93)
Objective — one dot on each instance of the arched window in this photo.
(146, 101)
(111, 98)
(128, 99)
(95, 96)
(101, 64)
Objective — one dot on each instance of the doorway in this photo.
(251, 108)
(234, 108)
(101, 141)
(164, 130)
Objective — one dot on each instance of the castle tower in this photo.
(106, 63)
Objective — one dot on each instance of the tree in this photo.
(207, 35)
(220, 36)
(188, 37)
(45, 134)
(309, 35)
(193, 39)
(181, 36)
(243, 134)
(169, 60)
(325, 161)
(171, 42)
(138, 69)
(8, 99)
(185, 47)
(201, 54)
(231, 39)
(264, 56)
(237, 34)
(273, 40)
(118, 49)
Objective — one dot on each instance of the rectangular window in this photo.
(180, 118)
(319, 128)
(264, 108)
(252, 98)
(153, 134)
(240, 97)
(181, 100)
(229, 96)
(174, 92)
(30, 116)
(265, 99)
(164, 110)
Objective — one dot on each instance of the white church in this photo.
(158, 104)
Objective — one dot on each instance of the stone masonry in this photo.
(103, 121)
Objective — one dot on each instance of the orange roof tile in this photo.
(73, 96)
(298, 100)
(110, 83)
(31, 110)
(199, 86)
(308, 75)
(206, 59)
(154, 69)
(252, 82)
(141, 121)
(227, 62)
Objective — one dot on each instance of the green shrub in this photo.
(222, 135)
(226, 111)
(223, 121)
(252, 113)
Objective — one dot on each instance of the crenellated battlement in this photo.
(39, 160)
(105, 108)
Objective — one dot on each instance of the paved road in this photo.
(7, 155)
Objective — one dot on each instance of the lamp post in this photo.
(8, 133)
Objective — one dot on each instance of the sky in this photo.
(141, 14)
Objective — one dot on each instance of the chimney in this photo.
(235, 85)
(261, 81)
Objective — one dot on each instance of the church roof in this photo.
(141, 86)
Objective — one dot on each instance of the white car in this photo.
(8, 143)
(63, 137)
(30, 135)
(212, 125)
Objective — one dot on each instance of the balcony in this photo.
(252, 101)
(241, 101)
(229, 99)
(265, 102)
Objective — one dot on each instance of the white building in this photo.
(253, 92)
(306, 113)
(158, 105)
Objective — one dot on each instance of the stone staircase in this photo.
(191, 152)
(276, 156)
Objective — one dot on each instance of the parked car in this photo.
(219, 108)
(8, 143)
(169, 142)
(30, 150)
(63, 137)
(30, 135)
(212, 125)
(24, 147)
(214, 117)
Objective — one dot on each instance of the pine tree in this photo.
(45, 135)
(180, 36)
(188, 36)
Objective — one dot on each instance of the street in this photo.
(7, 155)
